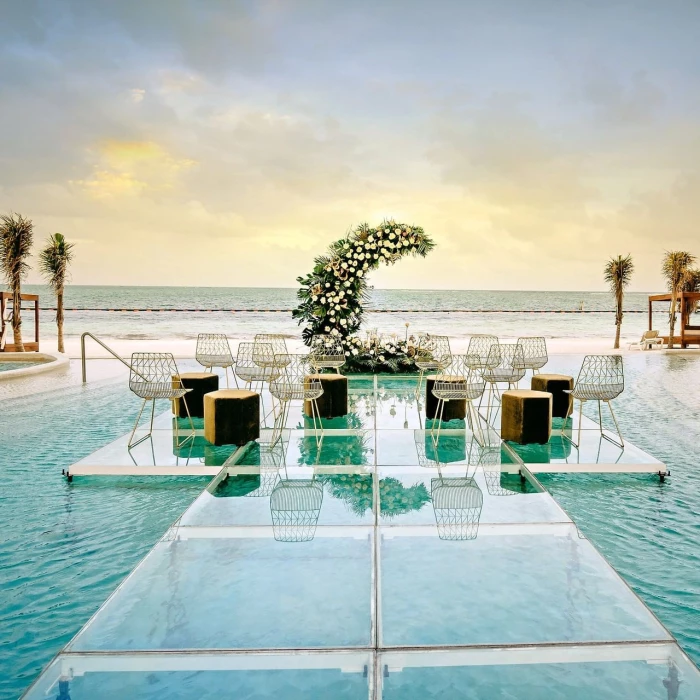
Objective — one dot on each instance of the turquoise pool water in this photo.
(65, 547)
(7, 366)
(69, 545)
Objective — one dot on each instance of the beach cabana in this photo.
(6, 323)
(689, 333)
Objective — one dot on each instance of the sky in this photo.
(226, 143)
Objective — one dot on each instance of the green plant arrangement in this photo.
(332, 295)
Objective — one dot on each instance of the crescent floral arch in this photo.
(332, 295)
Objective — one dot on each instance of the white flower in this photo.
(343, 322)
(346, 245)
(386, 230)
(397, 230)
(328, 284)
(341, 293)
(354, 351)
(376, 256)
(370, 238)
(352, 269)
(346, 283)
(406, 244)
(335, 331)
(332, 312)
(361, 256)
(381, 358)
(347, 353)
(327, 328)
(360, 273)
(344, 265)
(314, 298)
(392, 236)
(323, 300)
(365, 266)
(337, 306)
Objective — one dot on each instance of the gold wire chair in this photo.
(432, 354)
(535, 352)
(154, 375)
(457, 381)
(602, 379)
(479, 351)
(295, 383)
(213, 350)
(327, 352)
(505, 365)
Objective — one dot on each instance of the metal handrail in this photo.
(108, 349)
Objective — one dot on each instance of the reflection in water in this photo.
(295, 505)
(457, 503)
(672, 682)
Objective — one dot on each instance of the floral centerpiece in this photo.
(332, 295)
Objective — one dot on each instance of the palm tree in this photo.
(54, 260)
(618, 273)
(16, 234)
(675, 269)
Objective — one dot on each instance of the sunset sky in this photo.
(226, 143)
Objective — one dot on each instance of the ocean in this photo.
(241, 312)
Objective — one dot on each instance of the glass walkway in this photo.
(373, 565)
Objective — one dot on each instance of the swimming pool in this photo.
(64, 549)
(71, 545)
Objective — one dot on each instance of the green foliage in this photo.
(332, 296)
(54, 260)
(16, 238)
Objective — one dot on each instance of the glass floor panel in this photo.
(373, 563)
(657, 672)
(335, 676)
(345, 496)
(241, 593)
(406, 495)
(507, 589)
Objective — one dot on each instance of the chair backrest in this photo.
(535, 351)
(213, 345)
(604, 374)
(462, 375)
(279, 344)
(506, 356)
(650, 335)
(435, 347)
(480, 347)
(152, 368)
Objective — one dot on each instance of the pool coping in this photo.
(43, 362)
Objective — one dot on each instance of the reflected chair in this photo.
(602, 379)
(457, 502)
(327, 352)
(489, 459)
(457, 381)
(295, 383)
(479, 351)
(213, 350)
(505, 365)
(295, 506)
(535, 352)
(432, 354)
(154, 375)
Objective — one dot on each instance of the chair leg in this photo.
(177, 433)
(420, 382)
(620, 444)
(136, 425)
